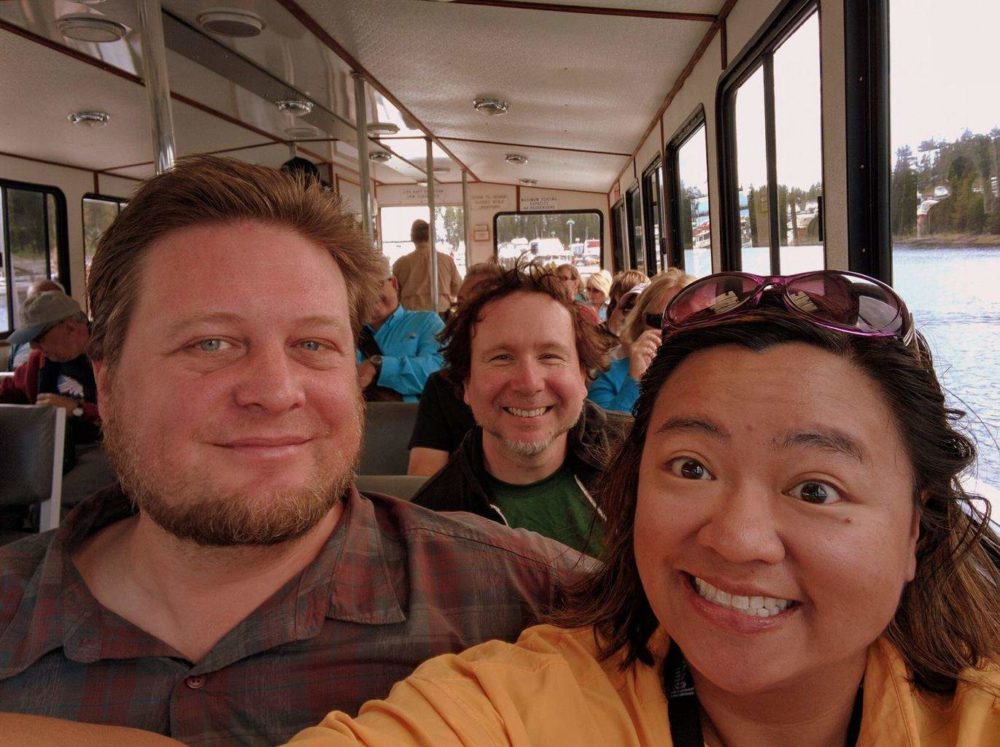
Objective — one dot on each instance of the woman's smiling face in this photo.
(775, 527)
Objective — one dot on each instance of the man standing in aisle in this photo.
(413, 271)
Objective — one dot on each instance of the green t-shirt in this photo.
(555, 507)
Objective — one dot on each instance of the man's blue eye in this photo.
(210, 346)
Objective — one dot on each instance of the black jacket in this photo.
(461, 485)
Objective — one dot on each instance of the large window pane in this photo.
(551, 238)
(637, 247)
(98, 215)
(29, 250)
(751, 169)
(693, 208)
(945, 202)
(652, 185)
(799, 149)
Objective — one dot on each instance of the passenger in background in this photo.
(19, 352)
(413, 271)
(58, 371)
(623, 282)
(521, 351)
(397, 348)
(569, 276)
(618, 387)
(598, 287)
(237, 584)
(443, 418)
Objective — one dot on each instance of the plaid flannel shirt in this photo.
(394, 585)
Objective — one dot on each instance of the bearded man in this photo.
(235, 587)
(521, 351)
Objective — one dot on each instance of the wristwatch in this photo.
(78, 410)
(376, 361)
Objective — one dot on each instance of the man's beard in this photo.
(179, 504)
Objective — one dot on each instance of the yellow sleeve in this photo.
(545, 692)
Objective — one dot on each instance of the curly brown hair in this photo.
(592, 346)
(209, 189)
(948, 619)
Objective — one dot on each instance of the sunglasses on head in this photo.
(833, 299)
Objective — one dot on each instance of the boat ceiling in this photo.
(584, 80)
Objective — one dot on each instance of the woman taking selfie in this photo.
(789, 517)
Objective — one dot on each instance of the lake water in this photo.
(954, 295)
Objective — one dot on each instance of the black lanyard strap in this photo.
(683, 709)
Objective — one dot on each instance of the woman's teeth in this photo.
(752, 606)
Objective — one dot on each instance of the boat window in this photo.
(773, 150)
(552, 238)
(636, 245)
(690, 221)
(99, 212)
(944, 201)
(34, 246)
(652, 191)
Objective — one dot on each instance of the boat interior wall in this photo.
(744, 21)
(485, 201)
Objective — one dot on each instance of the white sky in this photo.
(944, 69)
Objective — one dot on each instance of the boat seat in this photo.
(398, 486)
(388, 426)
(31, 461)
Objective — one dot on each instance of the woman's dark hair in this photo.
(948, 619)
(592, 346)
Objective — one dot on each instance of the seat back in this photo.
(388, 426)
(399, 486)
(31, 458)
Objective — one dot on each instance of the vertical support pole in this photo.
(435, 294)
(465, 219)
(361, 123)
(154, 73)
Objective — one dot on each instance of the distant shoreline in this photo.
(964, 240)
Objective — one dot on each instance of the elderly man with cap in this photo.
(57, 372)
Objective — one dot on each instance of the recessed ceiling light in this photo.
(516, 158)
(529, 182)
(89, 119)
(235, 22)
(381, 156)
(377, 129)
(490, 105)
(298, 133)
(90, 28)
(296, 107)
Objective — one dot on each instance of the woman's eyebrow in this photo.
(833, 441)
(700, 425)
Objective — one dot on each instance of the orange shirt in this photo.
(549, 690)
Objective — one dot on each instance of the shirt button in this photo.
(195, 683)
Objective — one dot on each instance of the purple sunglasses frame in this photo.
(778, 284)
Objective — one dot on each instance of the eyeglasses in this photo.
(833, 299)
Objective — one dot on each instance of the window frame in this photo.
(619, 243)
(758, 53)
(656, 256)
(575, 211)
(121, 202)
(62, 239)
(632, 194)
(672, 181)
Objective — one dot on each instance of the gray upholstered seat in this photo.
(388, 426)
(399, 486)
(31, 459)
